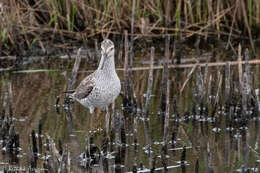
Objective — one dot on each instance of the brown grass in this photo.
(45, 22)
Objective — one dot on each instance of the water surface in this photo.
(199, 137)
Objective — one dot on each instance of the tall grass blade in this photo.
(35, 71)
(178, 19)
(3, 34)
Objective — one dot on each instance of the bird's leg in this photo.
(88, 134)
(108, 115)
(113, 108)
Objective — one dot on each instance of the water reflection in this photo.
(207, 130)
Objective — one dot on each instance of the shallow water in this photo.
(210, 144)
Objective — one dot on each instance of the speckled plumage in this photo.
(101, 87)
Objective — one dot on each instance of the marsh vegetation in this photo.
(190, 86)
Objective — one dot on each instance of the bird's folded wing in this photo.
(84, 88)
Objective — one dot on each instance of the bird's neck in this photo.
(109, 64)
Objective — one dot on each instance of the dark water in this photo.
(199, 138)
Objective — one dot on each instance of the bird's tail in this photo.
(68, 96)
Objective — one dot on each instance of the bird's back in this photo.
(85, 87)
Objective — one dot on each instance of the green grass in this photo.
(3, 35)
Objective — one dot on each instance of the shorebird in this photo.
(101, 87)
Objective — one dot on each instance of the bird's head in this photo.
(107, 51)
(107, 48)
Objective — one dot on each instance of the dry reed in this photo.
(26, 24)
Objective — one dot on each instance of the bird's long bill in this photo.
(102, 62)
